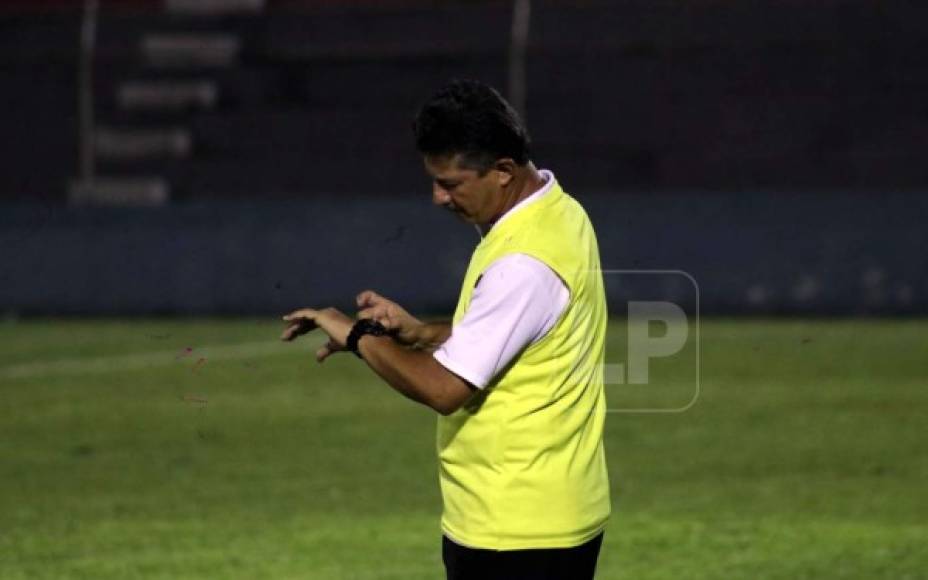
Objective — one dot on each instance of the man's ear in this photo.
(505, 170)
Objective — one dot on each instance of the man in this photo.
(517, 376)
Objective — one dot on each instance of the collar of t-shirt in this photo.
(548, 178)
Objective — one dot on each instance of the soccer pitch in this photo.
(198, 449)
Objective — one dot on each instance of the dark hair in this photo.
(471, 119)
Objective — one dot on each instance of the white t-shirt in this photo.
(517, 300)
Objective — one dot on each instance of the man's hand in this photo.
(401, 324)
(413, 373)
(331, 321)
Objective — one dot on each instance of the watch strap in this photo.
(360, 328)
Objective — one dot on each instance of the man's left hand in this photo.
(331, 321)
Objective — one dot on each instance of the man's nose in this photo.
(439, 195)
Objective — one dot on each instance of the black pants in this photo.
(578, 563)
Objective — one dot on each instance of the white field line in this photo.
(144, 360)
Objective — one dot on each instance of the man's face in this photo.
(473, 197)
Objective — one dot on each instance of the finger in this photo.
(326, 350)
(295, 329)
(367, 298)
(375, 313)
(380, 315)
(298, 327)
(388, 322)
(302, 314)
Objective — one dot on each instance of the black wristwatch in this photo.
(360, 328)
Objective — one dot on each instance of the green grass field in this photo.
(202, 449)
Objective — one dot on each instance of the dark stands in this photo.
(294, 98)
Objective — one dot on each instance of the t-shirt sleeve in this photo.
(518, 299)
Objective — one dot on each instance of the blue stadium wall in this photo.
(751, 253)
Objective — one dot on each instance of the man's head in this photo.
(474, 146)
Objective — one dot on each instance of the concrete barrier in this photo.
(751, 253)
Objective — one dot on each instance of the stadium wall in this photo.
(751, 253)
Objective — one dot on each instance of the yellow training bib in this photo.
(522, 463)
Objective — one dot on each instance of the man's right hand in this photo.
(401, 324)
